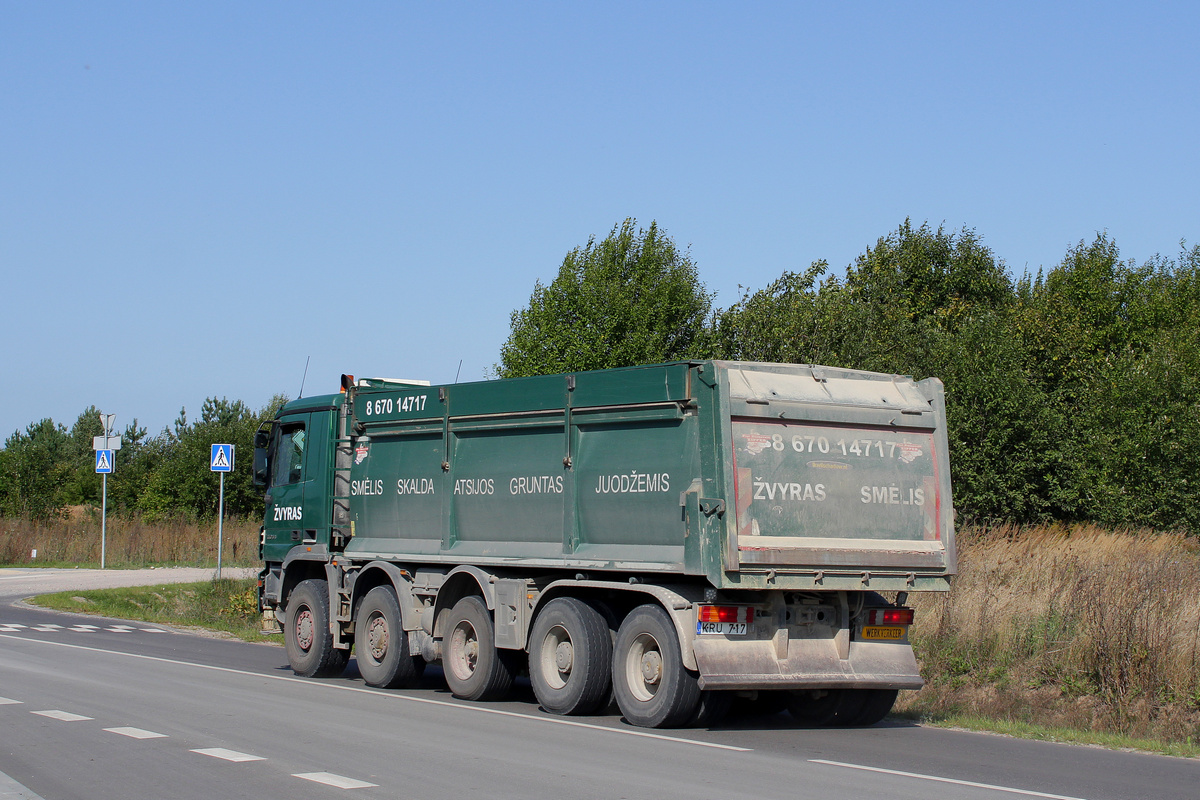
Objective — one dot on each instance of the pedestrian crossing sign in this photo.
(222, 458)
(104, 461)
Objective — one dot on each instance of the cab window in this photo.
(289, 455)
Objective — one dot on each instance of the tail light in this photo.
(889, 616)
(725, 613)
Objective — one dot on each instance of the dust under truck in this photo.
(668, 537)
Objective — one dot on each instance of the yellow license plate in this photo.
(882, 632)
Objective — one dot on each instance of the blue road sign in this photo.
(104, 461)
(222, 458)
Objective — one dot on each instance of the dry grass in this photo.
(1073, 627)
(129, 542)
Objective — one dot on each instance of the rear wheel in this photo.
(307, 639)
(475, 668)
(652, 687)
(877, 704)
(713, 707)
(381, 644)
(570, 657)
(761, 703)
(823, 707)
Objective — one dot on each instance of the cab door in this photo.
(288, 523)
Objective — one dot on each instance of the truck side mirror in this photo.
(261, 440)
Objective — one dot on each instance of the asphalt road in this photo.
(95, 708)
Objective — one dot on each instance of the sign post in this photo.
(221, 462)
(106, 446)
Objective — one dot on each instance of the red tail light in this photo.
(724, 613)
(889, 616)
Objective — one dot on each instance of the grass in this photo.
(129, 542)
(1066, 629)
(227, 605)
(1025, 730)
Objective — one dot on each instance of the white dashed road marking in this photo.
(49, 627)
(227, 755)
(65, 716)
(336, 781)
(137, 733)
(4, 701)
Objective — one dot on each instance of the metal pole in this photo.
(220, 524)
(103, 516)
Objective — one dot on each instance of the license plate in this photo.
(883, 632)
(726, 628)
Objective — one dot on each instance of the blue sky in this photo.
(195, 199)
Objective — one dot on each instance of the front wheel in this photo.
(381, 644)
(570, 657)
(652, 687)
(307, 638)
(475, 668)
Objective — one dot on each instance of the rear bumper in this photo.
(805, 664)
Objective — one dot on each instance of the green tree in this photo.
(179, 479)
(82, 482)
(34, 471)
(136, 461)
(923, 302)
(631, 298)
(1117, 348)
(888, 313)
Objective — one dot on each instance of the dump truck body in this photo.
(760, 508)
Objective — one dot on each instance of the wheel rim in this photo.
(557, 657)
(644, 667)
(304, 628)
(464, 650)
(377, 636)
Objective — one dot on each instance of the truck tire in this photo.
(307, 639)
(713, 707)
(823, 708)
(381, 643)
(475, 668)
(652, 687)
(764, 702)
(570, 657)
(877, 704)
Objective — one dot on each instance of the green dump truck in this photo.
(668, 537)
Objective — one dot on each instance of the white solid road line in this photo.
(6, 701)
(65, 716)
(1009, 789)
(137, 733)
(478, 709)
(336, 781)
(227, 755)
(11, 790)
